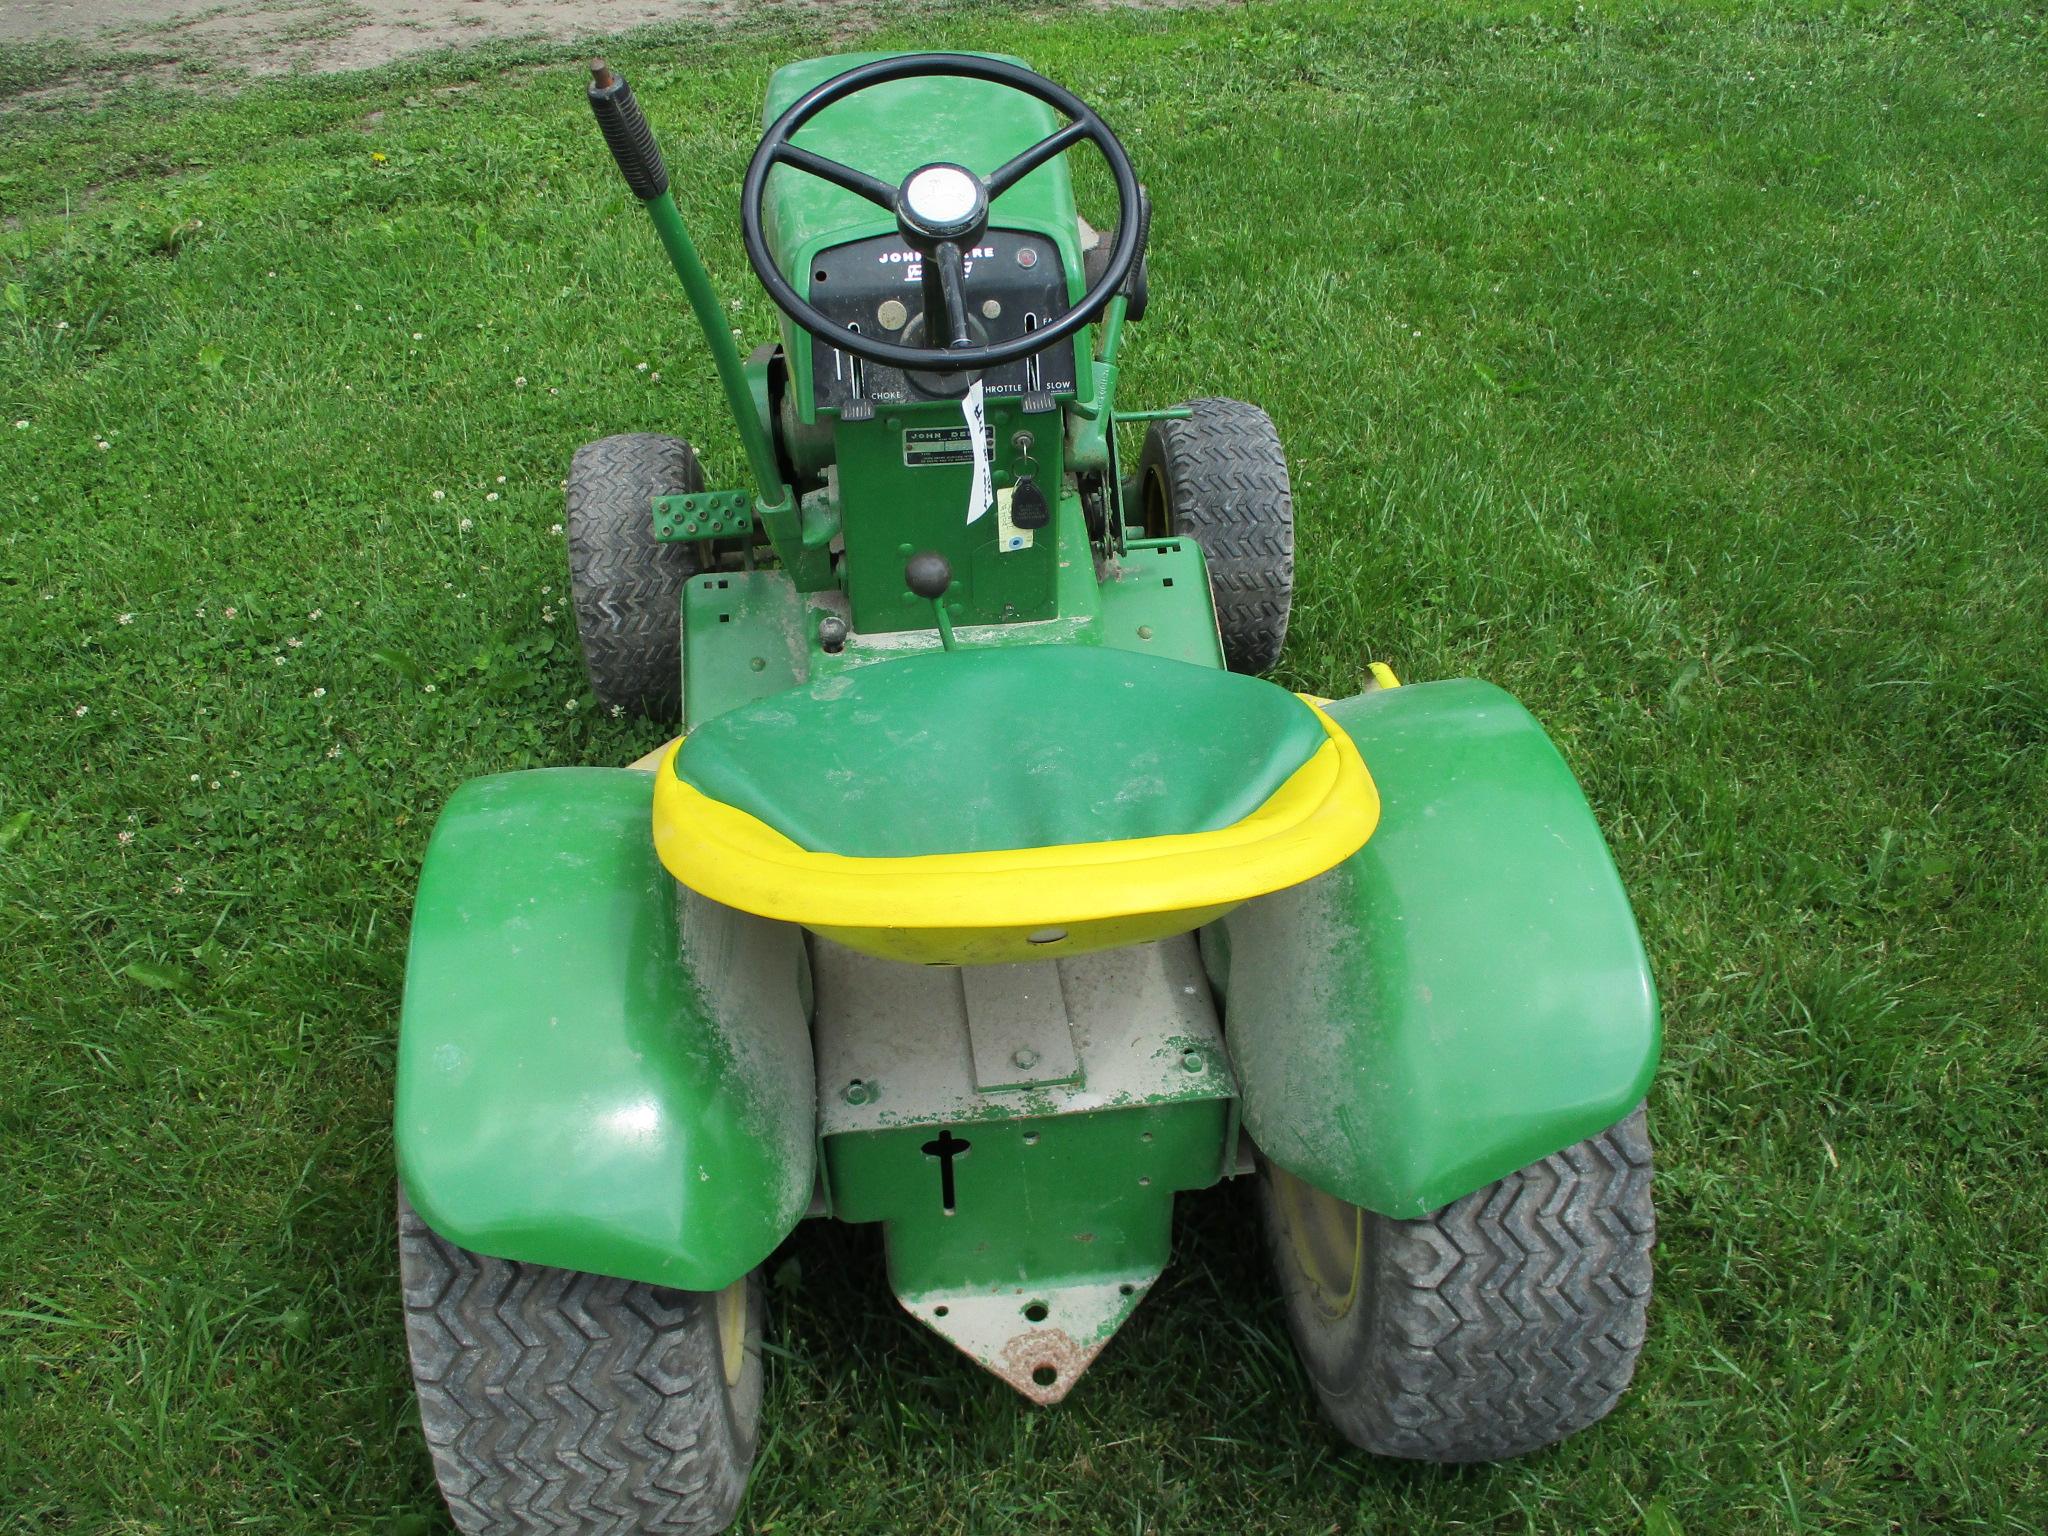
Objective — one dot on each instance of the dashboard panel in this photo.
(1015, 284)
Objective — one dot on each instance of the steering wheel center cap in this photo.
(942, 199)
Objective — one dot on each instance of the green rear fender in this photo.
(1464, 995)
(597, 1070)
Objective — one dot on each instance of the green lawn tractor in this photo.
(988, 894)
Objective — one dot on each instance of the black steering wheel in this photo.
(942, 209)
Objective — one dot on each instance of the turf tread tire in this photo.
(555, 1401)
(625, 585)
(1225, 483)
(1496, 1326)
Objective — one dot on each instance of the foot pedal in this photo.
(695, 515)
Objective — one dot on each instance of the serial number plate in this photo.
(942, 445)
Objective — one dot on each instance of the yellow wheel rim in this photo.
(732, 1330)
(1327, 1239)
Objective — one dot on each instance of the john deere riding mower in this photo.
(987, 893)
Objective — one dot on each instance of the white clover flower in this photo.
(639, 367)
(654, 377)
(63, 325)
(213, 783)
(125, 838)
(440, 495)
(79, 713)
(568, 703)
(278, 659)
(554, 528)
(317, 614)
(103, 445)
(416, 336)
(21, 425)
(464, 526)
(617, 710)
(227, 613)
(501, 479)
(520, 382)
(319, 693)
(544, 591)
(335, 750)
(426, 687)
(490, 496)
(195, 778)
(553, 391)
(125, 618)
(178, 886)
(295, 642)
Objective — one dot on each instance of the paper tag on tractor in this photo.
(979, 495)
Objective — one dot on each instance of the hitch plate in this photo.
(1021, 1131)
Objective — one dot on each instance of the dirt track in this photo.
(270, 37)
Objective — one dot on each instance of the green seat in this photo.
(995, 805)
(976, 751)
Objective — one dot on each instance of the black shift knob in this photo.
(928, 574)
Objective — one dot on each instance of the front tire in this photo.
(1496, 1326)
(553, 1400)
(1220, 478)
(625, 585)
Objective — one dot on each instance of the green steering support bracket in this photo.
(704, 515)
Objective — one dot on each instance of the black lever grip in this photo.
(626, 132)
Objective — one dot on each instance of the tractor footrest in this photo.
(694, 515)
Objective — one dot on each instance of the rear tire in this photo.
(553, 1400)
(1220, 478)
(625, 585)
(1496, 1326)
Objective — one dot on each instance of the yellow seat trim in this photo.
(1321, 815)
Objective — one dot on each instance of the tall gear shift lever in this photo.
(928, 575)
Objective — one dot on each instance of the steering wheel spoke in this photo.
(946, 270)
(873, 188)
(1012, 171)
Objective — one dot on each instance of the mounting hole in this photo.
(818, 276)
(940, 1311)
(1192, 1061)
(1144, 1136)
(1144, 1181)
(1045, 1375)
(1036, 1312)
(1126, 1289)
(1047, 936)
(1031, 1138)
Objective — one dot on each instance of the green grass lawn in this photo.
(1682, 371)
